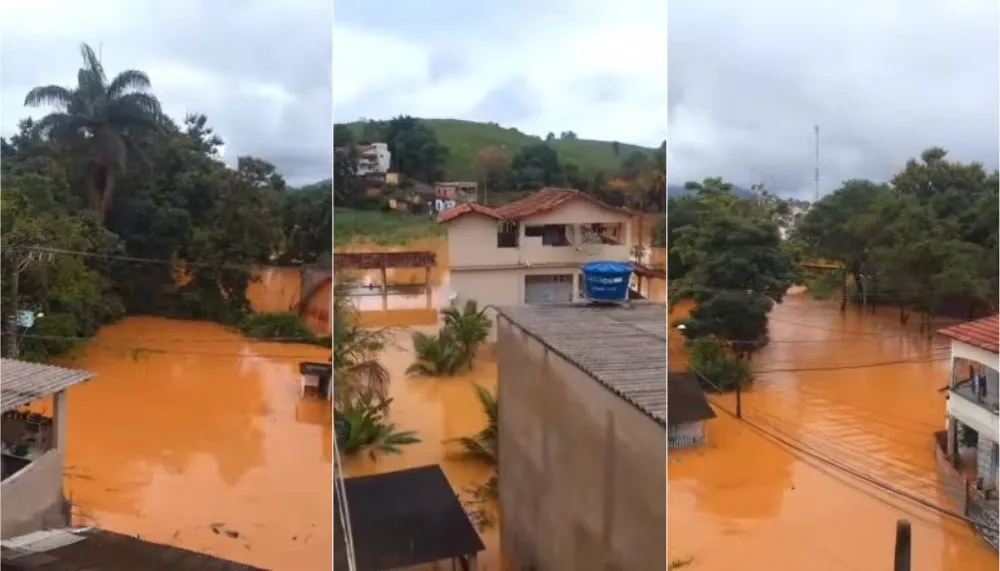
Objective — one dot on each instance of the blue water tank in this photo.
(606, 281)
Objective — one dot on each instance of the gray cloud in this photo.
(260, 71)
(749, 80)
(508, 103)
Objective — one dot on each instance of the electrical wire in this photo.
(142, 260)
(139, 351)
(875, 482)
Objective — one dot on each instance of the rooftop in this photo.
(686, 401)
(623, 348)
(540, 202)
(982, 333)
(403, 518)
(92, 549)
(22, 382)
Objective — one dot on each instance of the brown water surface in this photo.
(854, 387)
(188, 424)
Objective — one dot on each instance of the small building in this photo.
(530, 251)
(582, 421)
(974, 395)
(456, 191)
(94, 549)
(687, 411)
(33, 445)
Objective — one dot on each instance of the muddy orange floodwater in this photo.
(745, 502)
(188, 425)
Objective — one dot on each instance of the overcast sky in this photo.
(884, 79)
(260, 70)
(591, 66)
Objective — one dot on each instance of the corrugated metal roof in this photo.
(22, 382)
(93, 549)
(983, 333)
(622, 348)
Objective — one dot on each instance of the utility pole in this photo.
(903, 552)
(816, 173)
(13, 351)
(739, 400)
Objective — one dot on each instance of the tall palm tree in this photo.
(109, 115)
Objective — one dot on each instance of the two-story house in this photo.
(530, 251)
(974, 397)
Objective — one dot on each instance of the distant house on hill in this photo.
(687, 411)
(373, 159)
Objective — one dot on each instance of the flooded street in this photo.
(189, 426)
(856, 388)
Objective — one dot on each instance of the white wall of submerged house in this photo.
(33, 497)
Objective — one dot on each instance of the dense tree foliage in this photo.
(726, 255)
(926, 241)
(112, 208)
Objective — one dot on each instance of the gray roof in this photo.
(623, 348)
(22, 382)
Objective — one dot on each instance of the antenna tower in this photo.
(816, 173)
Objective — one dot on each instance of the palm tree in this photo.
(109, 115)
(483, 444)
(361, 425)
(356, 368)
(469, 328)
(438, 355)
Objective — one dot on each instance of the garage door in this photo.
(548, 289)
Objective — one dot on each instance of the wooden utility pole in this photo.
(904, 539)
(12, 323)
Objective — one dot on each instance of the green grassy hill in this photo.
(466, 138)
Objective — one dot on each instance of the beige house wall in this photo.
(472, 239)
(582, 472)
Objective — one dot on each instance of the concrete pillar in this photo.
(59, 420)
(576, 286)
(952, 438)
(472, 562)
(986, 461)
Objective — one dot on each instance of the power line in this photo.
(233, 339)
(140, 351)
(160, 261)
(904, 494)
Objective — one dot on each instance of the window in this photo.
(551, 234)
(508, 235)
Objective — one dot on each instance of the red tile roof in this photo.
(983, 333)
(540, 202)
(466, 208)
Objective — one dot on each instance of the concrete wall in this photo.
(582, 472)
(33, 498)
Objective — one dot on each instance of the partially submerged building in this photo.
(530, 251)
(34, 445)
(582, 422)
(687, 411)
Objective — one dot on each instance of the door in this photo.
(548, 289)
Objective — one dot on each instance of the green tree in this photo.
(416, 152)
(468, 328)
(112, 116)
(535, 167)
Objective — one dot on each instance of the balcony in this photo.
(26, 437)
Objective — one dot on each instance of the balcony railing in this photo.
(988, 399)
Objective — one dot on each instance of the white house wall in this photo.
(960, 350)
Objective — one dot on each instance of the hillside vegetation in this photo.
(465, 139)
